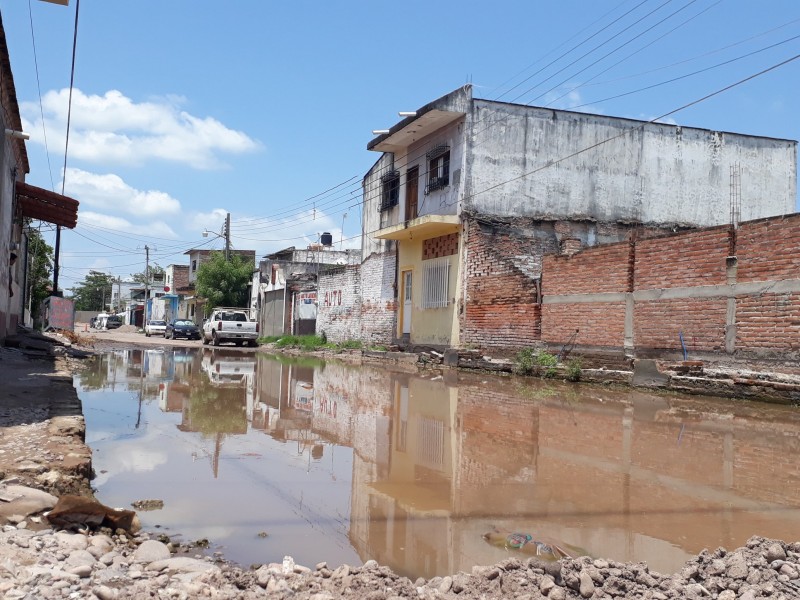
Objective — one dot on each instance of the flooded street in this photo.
(266, 456)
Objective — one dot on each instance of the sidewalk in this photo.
(42, 430)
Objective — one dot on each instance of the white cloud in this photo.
(210, 220)
(112, 128)
(152, 229)
(110, 193)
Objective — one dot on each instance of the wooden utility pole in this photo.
(146, 286)
(228, 237)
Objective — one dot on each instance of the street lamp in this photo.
(227, 237)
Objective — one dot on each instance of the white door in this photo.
(406, 302)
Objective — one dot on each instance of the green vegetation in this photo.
(350, 345)
(547, 363)
(574, 369)
(39, 282)
(94, 292)
(224, 282)
(544, 364)
(309, 343)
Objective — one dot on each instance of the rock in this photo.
(737, 566)
(445, 585)
(182, 564)
(81, 571)
(151, 551)
(79, 558)
(557, 593)
(586, 585)
(775, 552)
(104, 592)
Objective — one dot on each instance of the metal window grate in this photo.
(437, 151)
(436, 283)
(430, 443)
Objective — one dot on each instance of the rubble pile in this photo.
(108, 566)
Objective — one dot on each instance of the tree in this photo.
(154, 271)
(40, 255)
(93, 292)
(224, 282)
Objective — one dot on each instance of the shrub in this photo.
(524, 362)
(547, 364)
(350, 345)
(574, 369)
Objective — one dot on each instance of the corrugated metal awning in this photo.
(39, 203)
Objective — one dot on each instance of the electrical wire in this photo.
(39, 91)
(332, 201)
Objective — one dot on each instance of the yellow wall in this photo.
(437, 326)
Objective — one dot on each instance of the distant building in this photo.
(285, 288)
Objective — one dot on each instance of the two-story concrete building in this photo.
(469, 194)
(285, 288)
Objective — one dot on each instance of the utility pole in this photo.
(228, 237)
(146, 280)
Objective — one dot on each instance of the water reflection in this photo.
(345, 464)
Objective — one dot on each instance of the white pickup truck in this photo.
(230, 325)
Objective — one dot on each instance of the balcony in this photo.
(424, 227)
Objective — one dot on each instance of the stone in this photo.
(586, 585)
(150, 551)
(557, 593)
(775, 552)
(737, 566)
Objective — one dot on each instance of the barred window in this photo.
(438, 168)
(390, 190)
(436, 283)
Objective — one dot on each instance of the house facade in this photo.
(21, 205)
(468, 195)
(285, 287)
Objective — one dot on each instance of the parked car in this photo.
(178, 328)
(113, 321)
(230, 325)
(155, 327)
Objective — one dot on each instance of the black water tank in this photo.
(326, 239)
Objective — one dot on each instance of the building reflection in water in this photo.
(439, 459)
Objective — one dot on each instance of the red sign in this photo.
(166, 288)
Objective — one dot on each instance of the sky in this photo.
(183, 111)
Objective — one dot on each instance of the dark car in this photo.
(182, 328)
(113, 322)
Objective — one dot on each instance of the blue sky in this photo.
(183, 111)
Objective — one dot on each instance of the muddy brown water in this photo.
(266, 456)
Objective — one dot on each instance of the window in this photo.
(438, 168)
(194, 265)
(390, 190)
(436, 283)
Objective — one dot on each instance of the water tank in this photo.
(326, 239)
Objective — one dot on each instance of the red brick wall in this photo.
(659, 323)
(768, 321)
(502, 309)
(687, 259)
(595, 270)
(444, 245)
(767, 249)
(599, 323)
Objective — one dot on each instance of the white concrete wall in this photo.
(649, 173)
(372, 219)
